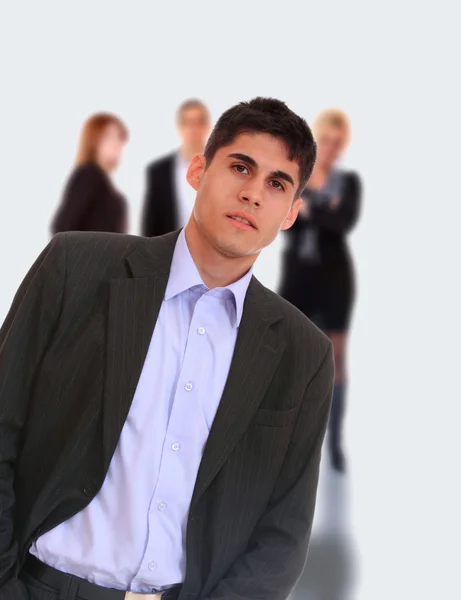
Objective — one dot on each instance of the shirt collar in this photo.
(184, 276)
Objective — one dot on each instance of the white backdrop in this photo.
(391, 67)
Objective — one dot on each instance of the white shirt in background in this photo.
(185, 193)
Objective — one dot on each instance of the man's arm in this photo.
(344, 216)
(277, 551)
(24, 337)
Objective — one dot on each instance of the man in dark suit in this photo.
(168, 198)
(162, 413)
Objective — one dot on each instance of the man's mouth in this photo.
(242, 220)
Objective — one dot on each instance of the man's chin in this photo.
(234, 250)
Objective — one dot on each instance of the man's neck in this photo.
(216, 270)
(188, 153)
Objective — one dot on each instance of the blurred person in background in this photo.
(317, 269)
(90, 201)
(169, 198)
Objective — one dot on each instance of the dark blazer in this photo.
(72, 349)
(332, 226)
(90, 203)
(160, 212)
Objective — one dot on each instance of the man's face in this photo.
(250, 179)
(193, 128)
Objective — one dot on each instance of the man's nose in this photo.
(252, 193)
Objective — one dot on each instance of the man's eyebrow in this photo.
(283, 175)
(244, 158)
(251, 161)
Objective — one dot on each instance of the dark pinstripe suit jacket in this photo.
(71, 351)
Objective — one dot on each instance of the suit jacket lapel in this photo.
(258, 351)
(134, 305)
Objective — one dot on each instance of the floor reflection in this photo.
(331, 569)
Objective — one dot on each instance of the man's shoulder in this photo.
(300, 329)
(161, 163)
(90, 261)
(85, 240)
(98, 252)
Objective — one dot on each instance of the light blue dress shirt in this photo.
(132, 535)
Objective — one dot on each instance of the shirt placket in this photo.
(180, 452)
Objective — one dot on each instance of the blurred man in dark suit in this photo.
(169, 198)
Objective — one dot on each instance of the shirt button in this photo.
(188, 387)
(162, 506)
(175, 446)
(201, 330)
(152, 566)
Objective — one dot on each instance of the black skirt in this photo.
(324, 293)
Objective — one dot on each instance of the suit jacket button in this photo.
(89, 489)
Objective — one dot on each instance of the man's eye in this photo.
(277, 184)
(241, 168)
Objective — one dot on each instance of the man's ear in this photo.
(292, 215)
(196, 170)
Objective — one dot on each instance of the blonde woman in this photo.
(90, 201)
(318, 275)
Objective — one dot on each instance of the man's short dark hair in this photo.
(267, 115)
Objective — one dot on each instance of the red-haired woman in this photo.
(90, 201)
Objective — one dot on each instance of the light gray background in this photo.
(392, 67)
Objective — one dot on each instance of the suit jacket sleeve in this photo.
(24, 337)
(276, 555)
(345, 216)
(84, 187)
